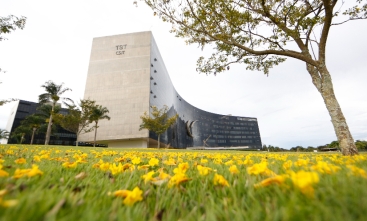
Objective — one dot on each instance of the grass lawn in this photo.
(69, 183)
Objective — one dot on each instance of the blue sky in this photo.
(56, 42)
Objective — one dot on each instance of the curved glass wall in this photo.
(195, 127)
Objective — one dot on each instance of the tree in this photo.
(52, 95)
(157, 121)
(98, 113)
(78, 118)
(262, 34)
(19, 133)
(33, 122)
(361, 144)
(11, 23)
(4, 134)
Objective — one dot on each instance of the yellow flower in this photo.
(304, 181)
(220, 180)
(324, 167)
(153, 162)
(177, 179)
(182, 168)
(121, 193)
(301, 162)
(260, 169)
(170, 162)
(34, 171)
(203, 161)
(3, 173)
(6, 203)
(287, 165)
(136, 160)
(131, 197)
(20, 161)
(203, 170)
(104, 166)
(143, 167)
(116, 169)
(228, 163)
(278, 179)
(233, 169)
(27, 172)
(70, 164)
(148, 177)
(357, 171)
(37, 158)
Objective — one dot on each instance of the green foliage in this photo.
(361, 144)
(157, 121)
(98, 113)
(78, 118)
(52, 95)
(2, 102)
(11, 23)
(259, 34)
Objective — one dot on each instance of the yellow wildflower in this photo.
(131, 197)
(148, 177)
(324, 167)
(229, 163)
(177, 179)
(203, 170)
(70, 164)
(357, 171)
(203, 161)
(115, 169)
(37, 158)
(34, 171)
(233, 169)
(260, 169)
(3, 173)
(104, 166)
(220, 180)
(136, 160)
(20, 161)
(278, 179)
(182, 168)
(304, 181)
(287, 165)
(153, 162)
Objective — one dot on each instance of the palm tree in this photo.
(34, 122)
(98, 113)
(4, 134)
(52, 95)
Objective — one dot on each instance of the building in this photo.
(20, 111)
(127, 75)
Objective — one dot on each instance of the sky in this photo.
(56, 44)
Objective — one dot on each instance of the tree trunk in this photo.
(322, 80)
(48, 133)
(95, 135)
(22, 138)
(34, 130)
(159, 138)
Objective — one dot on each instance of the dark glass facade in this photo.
(26, 108)
(195, 127)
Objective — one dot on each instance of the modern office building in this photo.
(20, 111)
(127, 75)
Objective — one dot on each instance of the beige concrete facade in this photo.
(119, 79)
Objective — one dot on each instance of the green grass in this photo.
(338, 196)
